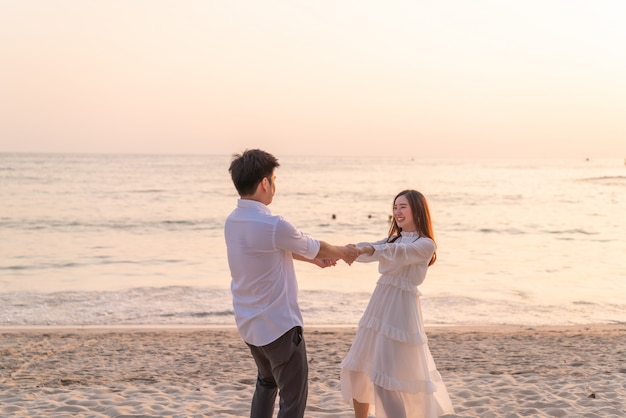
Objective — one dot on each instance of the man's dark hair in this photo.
(249, 168)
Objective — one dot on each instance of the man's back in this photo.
(264, 284)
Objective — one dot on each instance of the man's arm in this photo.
(320, 262)
(347, 253)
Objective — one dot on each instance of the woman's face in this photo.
(403, 214)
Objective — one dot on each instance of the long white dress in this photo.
(389, 365)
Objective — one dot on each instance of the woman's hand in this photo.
(367, 250)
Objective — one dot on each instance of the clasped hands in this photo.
(350, 253)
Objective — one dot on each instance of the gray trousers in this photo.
(282, 366)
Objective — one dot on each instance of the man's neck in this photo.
(255, 198)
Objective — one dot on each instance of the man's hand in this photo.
(325, 262)
(350, 253)
(347, 253)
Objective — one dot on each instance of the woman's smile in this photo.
(403, 214)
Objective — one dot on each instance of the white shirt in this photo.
(264, 286)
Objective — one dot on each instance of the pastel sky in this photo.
(438, 78)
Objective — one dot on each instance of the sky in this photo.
(435, 79)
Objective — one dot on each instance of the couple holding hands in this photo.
(389, 370)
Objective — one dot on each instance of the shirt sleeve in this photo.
(416, 252)
(288, 238)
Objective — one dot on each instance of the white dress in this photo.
(389, 365)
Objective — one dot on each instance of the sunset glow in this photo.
(432, 79)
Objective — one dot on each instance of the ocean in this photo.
(116, 240)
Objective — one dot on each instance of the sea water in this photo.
(138, 239)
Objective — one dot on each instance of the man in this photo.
(261, 248)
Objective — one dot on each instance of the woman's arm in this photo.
(418, 251)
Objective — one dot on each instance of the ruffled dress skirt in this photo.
(389, 365)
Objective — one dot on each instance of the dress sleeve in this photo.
(416, 252)
(288, 238)
(364, 258)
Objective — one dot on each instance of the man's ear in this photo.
(264, 184)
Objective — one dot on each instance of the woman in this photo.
(389, 367)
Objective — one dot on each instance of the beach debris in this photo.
(592, 395)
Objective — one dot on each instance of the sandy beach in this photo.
(503, 371)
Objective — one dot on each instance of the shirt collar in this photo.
(253, 204)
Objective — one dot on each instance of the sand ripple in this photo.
(489, 372)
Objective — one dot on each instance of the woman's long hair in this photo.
(421, 217)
